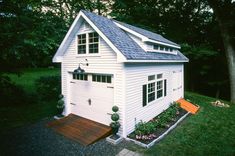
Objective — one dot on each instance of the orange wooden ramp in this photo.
(80, 129)
(188, 106)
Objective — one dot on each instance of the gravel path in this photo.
(38, 140)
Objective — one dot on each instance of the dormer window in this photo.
(151, 47)
(88, 43)
(156, 47)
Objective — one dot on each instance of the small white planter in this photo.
(114, 141)
(160, 137)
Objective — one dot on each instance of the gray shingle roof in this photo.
(148, 34)
(123, 42)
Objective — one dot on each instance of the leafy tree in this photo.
(224, 10)
(190, 23)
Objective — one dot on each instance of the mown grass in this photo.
(28, 76)
(210, 132)
(26, 113)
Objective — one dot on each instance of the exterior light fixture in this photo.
(79, 69)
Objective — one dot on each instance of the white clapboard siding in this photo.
(136, 75)
(105, 62)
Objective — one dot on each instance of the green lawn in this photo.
(210, 132)
(28, 77)
(15, 116)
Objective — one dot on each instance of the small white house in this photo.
(139, 71)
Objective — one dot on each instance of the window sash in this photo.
(102, 78)
(81, 44)
(83, 77)
(151, 92)
(154, 89)
(93, 43)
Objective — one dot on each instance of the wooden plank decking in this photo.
(83, 130)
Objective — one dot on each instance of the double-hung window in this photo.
(151, 88)
(88, 43)
(159, 86)
(154, 89)
(93, 43)
(82, 44)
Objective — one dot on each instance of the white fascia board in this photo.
(121, 57)
(162, 43)
(60, 51)
(157, 61)
(57, 59)
(131, 31)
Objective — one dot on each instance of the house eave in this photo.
(158, 61)
(162, 43)
(57, 59)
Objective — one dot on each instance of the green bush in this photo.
(145, 128)
(10, 93)
(48, 87)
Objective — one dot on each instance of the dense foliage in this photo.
(48, 87)
(31, 31)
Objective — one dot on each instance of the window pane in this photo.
(159, 85)
(151, 97)
(155, 47)
(161, 48)
(93, 77)
(103, 78)
(151, 77)
(109, 79)
(85, 77)
(159, 93)
(159, 76)
(81, 49)
(98, 78)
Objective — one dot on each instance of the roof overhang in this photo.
(144, 38)
(70, 35)
(158, 61)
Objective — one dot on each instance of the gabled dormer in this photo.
(149, 41)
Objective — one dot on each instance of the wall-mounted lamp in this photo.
(79, 69)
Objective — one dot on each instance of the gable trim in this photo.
(61, 50)
(59, 53)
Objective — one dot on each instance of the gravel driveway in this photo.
(37, 139)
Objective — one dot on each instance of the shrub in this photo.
(145, 128)
(48, 87)
(11, 94)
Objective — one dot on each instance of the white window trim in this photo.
(87, 44)
(151, 49)
(163, 89)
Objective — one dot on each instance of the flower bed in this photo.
(146, 132)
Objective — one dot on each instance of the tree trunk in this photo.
(230, 54)
(223, 12)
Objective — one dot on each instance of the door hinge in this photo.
(110, 87)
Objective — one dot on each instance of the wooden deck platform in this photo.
(80, 129)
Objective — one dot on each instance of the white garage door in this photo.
(92, 96)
